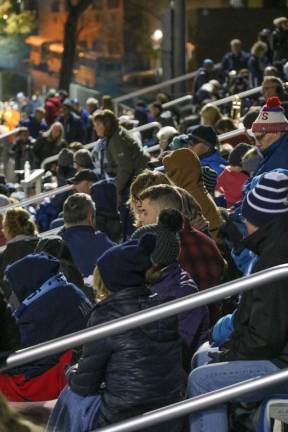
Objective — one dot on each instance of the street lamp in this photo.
(157, 37)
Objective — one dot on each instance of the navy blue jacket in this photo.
(141, 368)
(34, 127)
(73, 128)
(214, 160)
(61, 311)
(86, 246)
(231, 61)
(275, 156)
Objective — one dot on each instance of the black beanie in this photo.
(235, 157)
(167, 241)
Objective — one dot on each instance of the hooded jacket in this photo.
(141, 368)
(183, 168)
(125, 158)
(58, 312)
(261, 320)
(86, 246)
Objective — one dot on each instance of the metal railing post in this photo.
(149, 315)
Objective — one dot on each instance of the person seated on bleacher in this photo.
(48, 144)
(258, 344)
(199, 255)
(132, 372)
(73, 126)
(204, 142)
(36, 123)
(161, 115)
(165, 136)
(83, 160)
(270, 131)
(21, 236)
(83, 180)
(49, 307)
(170, 281)
(85, 244)
(22, 150)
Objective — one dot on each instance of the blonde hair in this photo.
(101, 291)
(210, 114)
(143, 181)
(259, 48)
(12, 421)
(18, 221)
(48, 133)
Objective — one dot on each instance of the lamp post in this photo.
(157, 37)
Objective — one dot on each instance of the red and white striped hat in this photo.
(271, 118)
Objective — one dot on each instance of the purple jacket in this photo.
(193, 325)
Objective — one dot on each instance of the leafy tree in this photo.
(14, 20)
(75, 9)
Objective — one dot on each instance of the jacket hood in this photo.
(30, 272)
(104, 195)
(183, 167)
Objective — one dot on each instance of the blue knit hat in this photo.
(268, 199)
(125, 265)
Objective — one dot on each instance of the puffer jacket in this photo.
(141, 368)
(214, 160)
(125, 159)
(183, 168)
(261, 320)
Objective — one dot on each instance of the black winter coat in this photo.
(261, 321)
(9, 335)
(141, 368)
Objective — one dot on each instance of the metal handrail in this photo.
(161, 85)
(38, 198)
(207, 400)
(231, 134)
(8, 134)
(145, 317)
(241, 95)
(186, 98)
(152, 125)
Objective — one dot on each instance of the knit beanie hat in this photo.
(271, 118)
(235, 157)
(83, 158)
(125, 265)
(167, 247)
(203, 134)
(268, 199)
(179, 141)
(65, 158)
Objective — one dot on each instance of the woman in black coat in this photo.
(138, 370)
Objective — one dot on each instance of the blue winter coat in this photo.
(193, 325)
(275, 156)
(58, 312)
(215, 161)
(86, 246)
(141, 368)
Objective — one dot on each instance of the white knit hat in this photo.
(271, 118)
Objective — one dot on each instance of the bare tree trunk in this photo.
(70, 41)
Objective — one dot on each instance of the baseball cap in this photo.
(84, 175)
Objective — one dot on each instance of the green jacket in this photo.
(125, 159)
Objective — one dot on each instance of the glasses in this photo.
(259, 137)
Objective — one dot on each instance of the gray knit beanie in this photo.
(168, 242)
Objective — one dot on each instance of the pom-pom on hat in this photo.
(268, 199)
(125, 265)
(167, 247)
(271, 118)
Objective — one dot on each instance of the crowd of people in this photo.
(140, 228)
